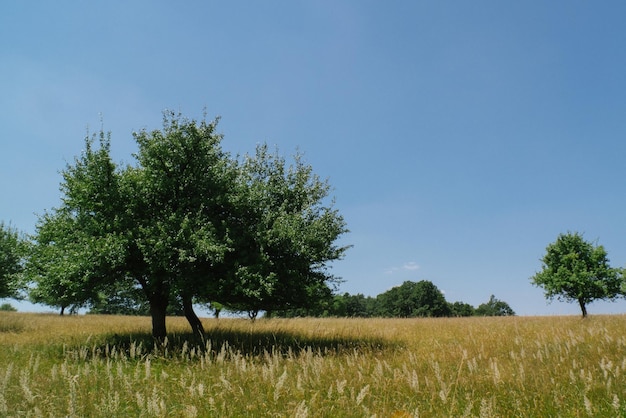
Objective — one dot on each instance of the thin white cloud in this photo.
(408, 266)
(411, 265)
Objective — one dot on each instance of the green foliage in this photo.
(78, 246)
(461, 309)
(359, 306)
(7, 307)
(342, 305)
(130, 301)
(413, 299)
(181, 193)
(284, 236)
(13, 249)
(576, 270)
(494, 307)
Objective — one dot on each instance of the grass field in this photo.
(102, 366)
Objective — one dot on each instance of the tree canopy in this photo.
(494, 307)
(12, 252)
(187, 222)
(413, 299)
(575, 270)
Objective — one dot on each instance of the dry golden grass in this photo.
(83, 366)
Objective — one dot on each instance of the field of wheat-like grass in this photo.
(107, 366)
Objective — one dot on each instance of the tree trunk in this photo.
(158, 311)
(62, 310)
(583, 308)
(192, 318)
(252, 314)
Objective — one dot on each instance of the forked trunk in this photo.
(583, 308)
(252, 314)
(192, 318)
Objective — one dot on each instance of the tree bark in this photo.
(583, 308)
(158, 311)
(192, 318)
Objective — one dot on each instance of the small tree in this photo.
(494, 307)
(7, 307)
(216, 307)
(576, 270)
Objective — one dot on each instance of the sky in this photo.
(460, 138)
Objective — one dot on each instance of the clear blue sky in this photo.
(460, 137)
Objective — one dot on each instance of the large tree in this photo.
(575, 270)
(159, 226)
(188, 222)
(12, 252)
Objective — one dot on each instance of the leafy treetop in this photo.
(575, 270)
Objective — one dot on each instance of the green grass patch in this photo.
(101, 366)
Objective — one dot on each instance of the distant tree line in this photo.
(409, 300)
